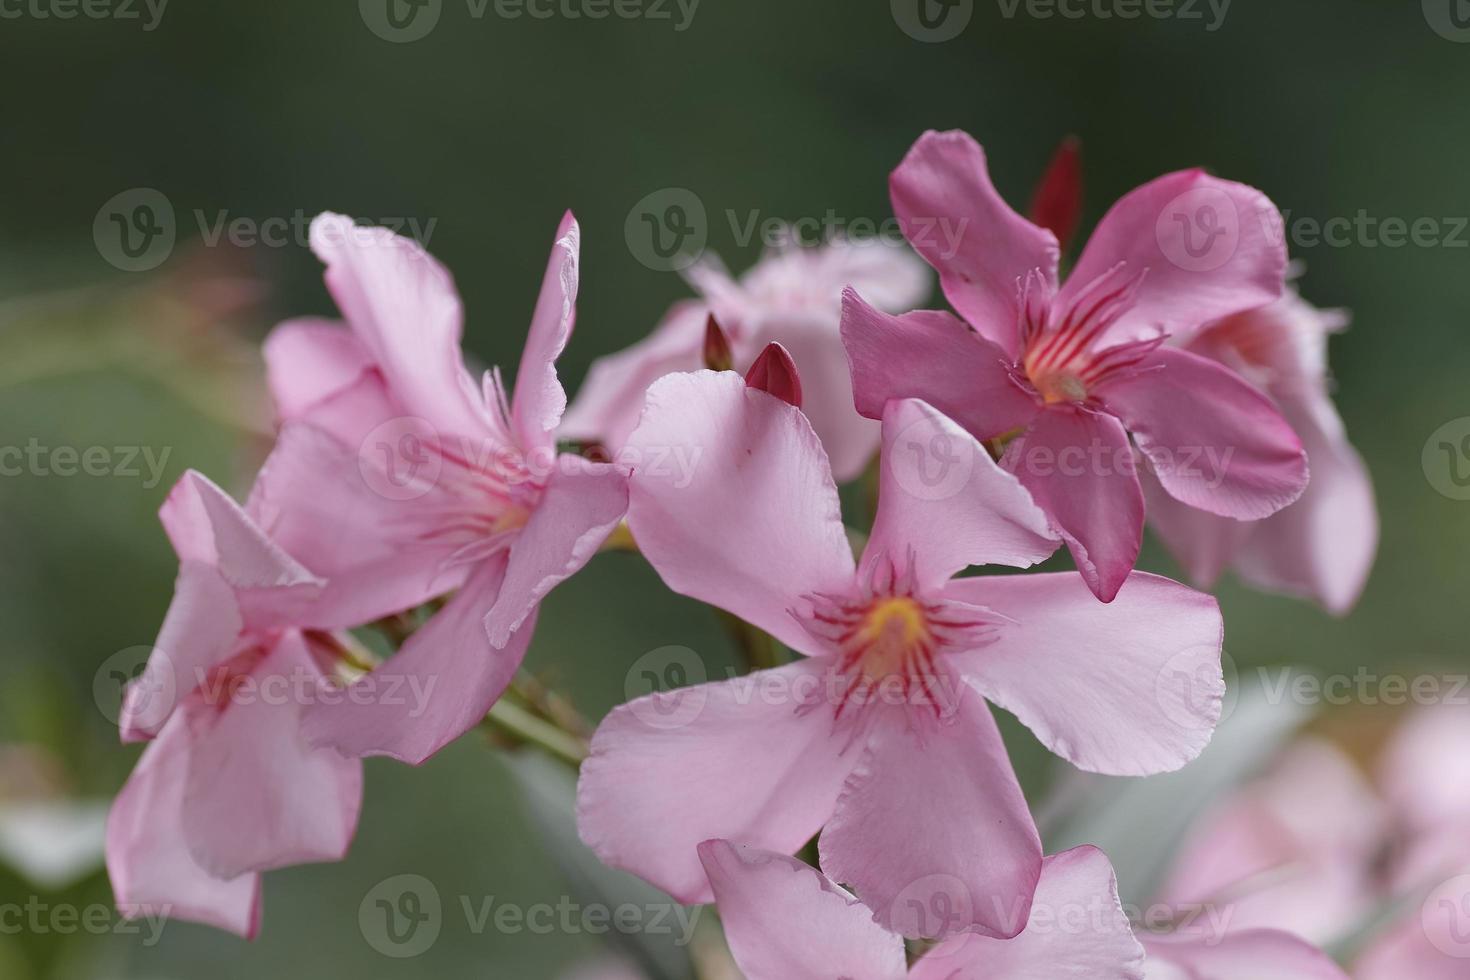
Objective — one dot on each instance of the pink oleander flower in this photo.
(785, 920)
(881, 733)
(1070, 370)
(227, 788)
(1254, 954)
(793, 296)
(1295, 850)
(1322, 546)
(400, 479)
(1313, 848)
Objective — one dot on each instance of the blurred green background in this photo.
(491, 126)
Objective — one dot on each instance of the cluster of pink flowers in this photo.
(1048, 411)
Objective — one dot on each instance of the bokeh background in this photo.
(489, 127)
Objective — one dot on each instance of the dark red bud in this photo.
(1057, 204)
(774, 372)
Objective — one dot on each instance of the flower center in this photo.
(888, 642)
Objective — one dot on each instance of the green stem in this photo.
(508, 719)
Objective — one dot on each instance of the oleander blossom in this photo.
(227, 787)
(1067, 371)
(1247, 954)
(785, 920)
(400, 480)
(1322, 546)
(792, 296)
(881, 732)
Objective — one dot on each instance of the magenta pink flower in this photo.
(227, 788)
(1073, 369)
(794, 296)
(883, 736)
(1322, 546)
(1258, 954)
(398, 478)
(785, 920)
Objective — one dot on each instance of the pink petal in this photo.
(945, 504)
(580, 507)
(1261, 954)
(954, 218)
(256, 797)
(436, 688)
(1128, 688)
(325, 502)
(815, 344)
(933, 834)
(201, 629)
(1079, 468)
(309, 360)
(1323, 545)
(733, 503)
(672, 769)
(1215, 442)
(1430, 943)
(1204, 544)
(610, 400)
(1077, 928)
(539, 400)
(933, 356)
(402, 306)
(1425, 769)
(152, 871)
(785, 921)
(1199, 268)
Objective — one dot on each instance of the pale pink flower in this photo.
(793, 296)
(1073, 369)
(399, 479)
(883, 736)
(1293, 850)
(228, 787)
(1247, 954)
(785, 920)
(1322, 546)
